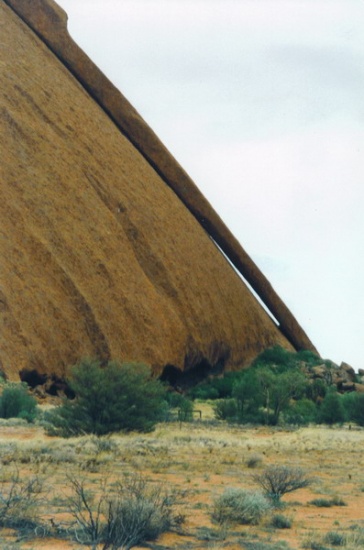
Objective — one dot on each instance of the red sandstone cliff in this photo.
(105, 243)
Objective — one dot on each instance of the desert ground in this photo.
(197, 461)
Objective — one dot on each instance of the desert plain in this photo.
(197, 461)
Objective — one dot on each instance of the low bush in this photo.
(301, 413)
(16, 402)
(281, 522)
(219, 387)
(185, 410)
(327, 503)
(254, 461)
(225, 409)
(238, 506)
(335, 539)
(354, 407)
(18, 502)
(276, 481)
(331, 410)
(124, 515)
(321, 502)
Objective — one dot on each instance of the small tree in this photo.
(16, 402)
(117, 397)
(276, 481)
(248, 395)
(278, 389)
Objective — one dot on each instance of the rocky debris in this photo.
(343, 376)
(349, 371)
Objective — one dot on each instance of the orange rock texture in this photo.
(99, 255)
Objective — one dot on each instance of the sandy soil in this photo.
(199, 461)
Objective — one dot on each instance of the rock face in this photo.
(107, 248)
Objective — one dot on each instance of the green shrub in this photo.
(322, 502)
(338, 501)
(204, 391)
(349, 401)
(354, 407)
(328, 502)
(225, 409)
(247, 392)
(16, 402)
(218, 387)
(117, 397)
(180, 406)
(277, 356)
(308, 357)
(316, 390)
(185, 410)
(281, 522)
(239, 506)
(335, 539)
(301, 412)
(331, 410)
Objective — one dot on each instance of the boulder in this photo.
(348, 371)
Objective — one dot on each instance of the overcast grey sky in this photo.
(262, 102)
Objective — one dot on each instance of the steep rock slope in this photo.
(99, 257)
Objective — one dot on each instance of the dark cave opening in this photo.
(32, 378)
(51, 384)
(193, 373)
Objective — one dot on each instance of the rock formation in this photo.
(107, 247)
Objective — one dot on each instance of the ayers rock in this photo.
(107, 248)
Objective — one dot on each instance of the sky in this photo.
(262, 103)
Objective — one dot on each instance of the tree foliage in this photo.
(331, 410)
(116, 397)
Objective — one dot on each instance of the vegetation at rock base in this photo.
(332, 409)
(116, 397)
(16, 402)
(283, 387)
(280, 387)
